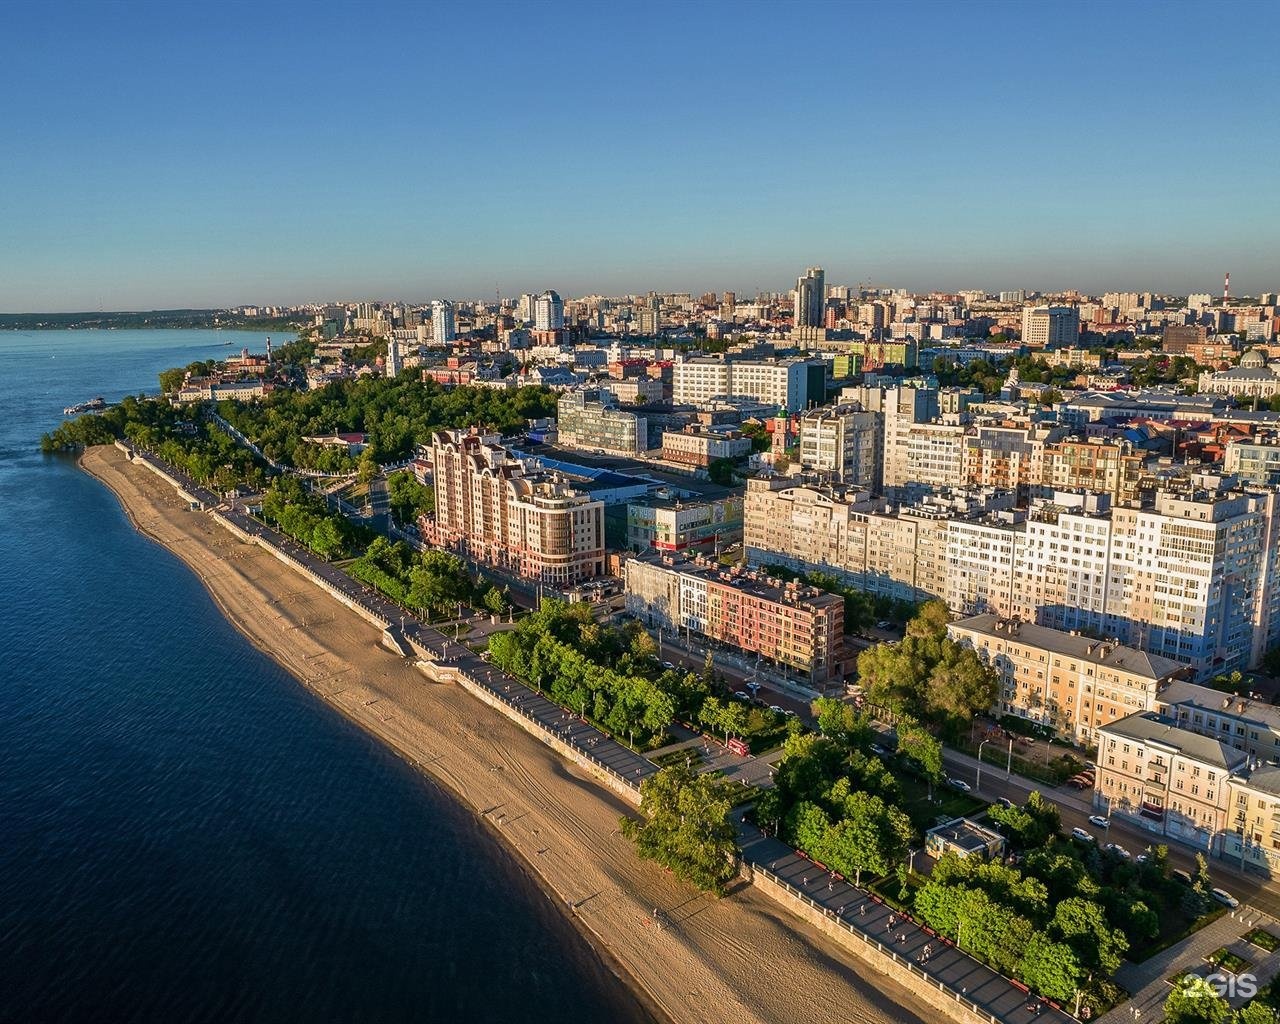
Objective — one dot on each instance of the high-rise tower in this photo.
(811, 298)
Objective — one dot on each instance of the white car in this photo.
(775, 709)
(959, 784)
(1082, 835)
(1225, 898)
(1099, 820)
(1118, 850)
(667, 665)
(741, 694)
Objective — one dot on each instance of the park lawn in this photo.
(947, 802)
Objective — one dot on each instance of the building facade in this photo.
(589, 418)
(679, 527)
(1050, 326)
(844, 440)
(797, 627)
(1070, 683)
(493, 507)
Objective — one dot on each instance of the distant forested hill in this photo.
(133, 320)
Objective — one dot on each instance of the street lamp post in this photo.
(1008, 768)
(978, 782)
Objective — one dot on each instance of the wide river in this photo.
(185, 833)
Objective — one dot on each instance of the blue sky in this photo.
(188, 154)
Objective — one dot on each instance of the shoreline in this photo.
(740, 956)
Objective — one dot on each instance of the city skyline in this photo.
(188, 162)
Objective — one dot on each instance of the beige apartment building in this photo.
(495, 508)
(1070, 683)
(1168, 779)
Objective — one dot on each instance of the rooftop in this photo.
(1099, 652)
(1148, 727)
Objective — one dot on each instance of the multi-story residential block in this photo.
(1256, 460)
(784, 383)
(1191, 578)
(443, 324)
(1068, 682)
(634, 390)
(901, 553)
(678, 527)
(1007, 455)
(590, 418)
(811, 298)
(1046, 326)
(211, 390)
(497, 509)
(1111, 467)
(699, 445)
(1168, 779)
(844, 440)
(548, 312)
(797, 627)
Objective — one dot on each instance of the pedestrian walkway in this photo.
(985, 991)
(1150, 981)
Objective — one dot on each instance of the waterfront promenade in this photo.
(969, 984)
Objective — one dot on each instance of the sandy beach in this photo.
(741, 958)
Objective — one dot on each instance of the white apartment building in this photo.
(443, 324)
(783, 383)
(1043, 326)
(548, 312)
(844, 440)
(1257, 461)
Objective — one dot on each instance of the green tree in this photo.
(1083, 925)
(711, 714)
(733, 719)
(915, 742)
(960, 685)
(1256, 1012)
(1194, 1001)
(494, 600)
(1051, 968)
(326, 539)
(720, 471)
(685, 826)
(408, 498)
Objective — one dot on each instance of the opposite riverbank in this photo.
(740, 958)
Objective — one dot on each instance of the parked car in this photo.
(1118, 850)
(742, 694)
(1224, 897)
(775, 709)
(1082, 835)
(1005, 802)
(1142, 858)
(959, 784)
(878, 750)
(1182, 876)
(884, 624)
(667, 665)
(1099, 820)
